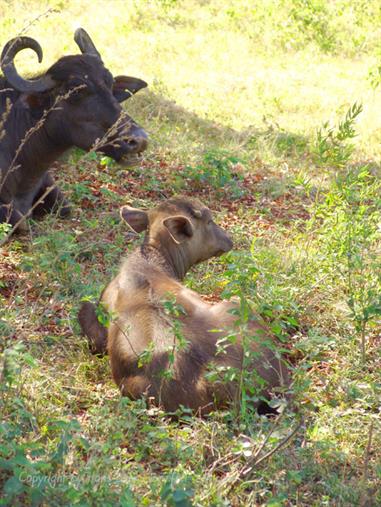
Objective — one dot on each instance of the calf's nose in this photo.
(228, 244)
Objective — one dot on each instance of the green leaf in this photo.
(13, 486)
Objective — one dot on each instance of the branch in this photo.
(282, 443)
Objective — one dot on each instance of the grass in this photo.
(236, 93)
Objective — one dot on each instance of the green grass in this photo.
(237, 94)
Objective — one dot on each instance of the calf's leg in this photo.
(93, 329)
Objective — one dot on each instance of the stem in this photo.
(363, 343)
(363, 498)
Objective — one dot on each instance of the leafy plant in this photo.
(56, 254)
(25, 464)
(350, 236)
(349, 230)
(312, 19)
(4, 231)
(218, 170)
(242, 278)
(177, 491)
(332, 148)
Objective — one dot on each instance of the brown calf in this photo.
(163, 356)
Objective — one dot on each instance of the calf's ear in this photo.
(124, 87)
(179, 227)
(136, 219)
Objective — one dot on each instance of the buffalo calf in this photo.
(164, 341)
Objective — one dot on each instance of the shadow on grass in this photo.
(175, 128)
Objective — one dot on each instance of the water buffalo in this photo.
(76, 102)
(167, 355)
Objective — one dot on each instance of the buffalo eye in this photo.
(78, 91)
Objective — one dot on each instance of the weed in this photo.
(331, 147)
(177, 491)
(350, 233)
(218, 170)
(4, 230)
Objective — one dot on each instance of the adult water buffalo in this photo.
(76, 102)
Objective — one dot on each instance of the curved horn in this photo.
(8, 54)
(85, 44)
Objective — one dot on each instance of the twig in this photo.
(261, 447)
(13, 166)
(281, 444)
(37, 18)
(33, 21)
(115, 322)
(365, 476)
(23, 30)
(253, 462)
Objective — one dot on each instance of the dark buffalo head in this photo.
(83, 99)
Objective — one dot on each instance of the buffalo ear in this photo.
(124, 87)
(179, 227)
(136, 219)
